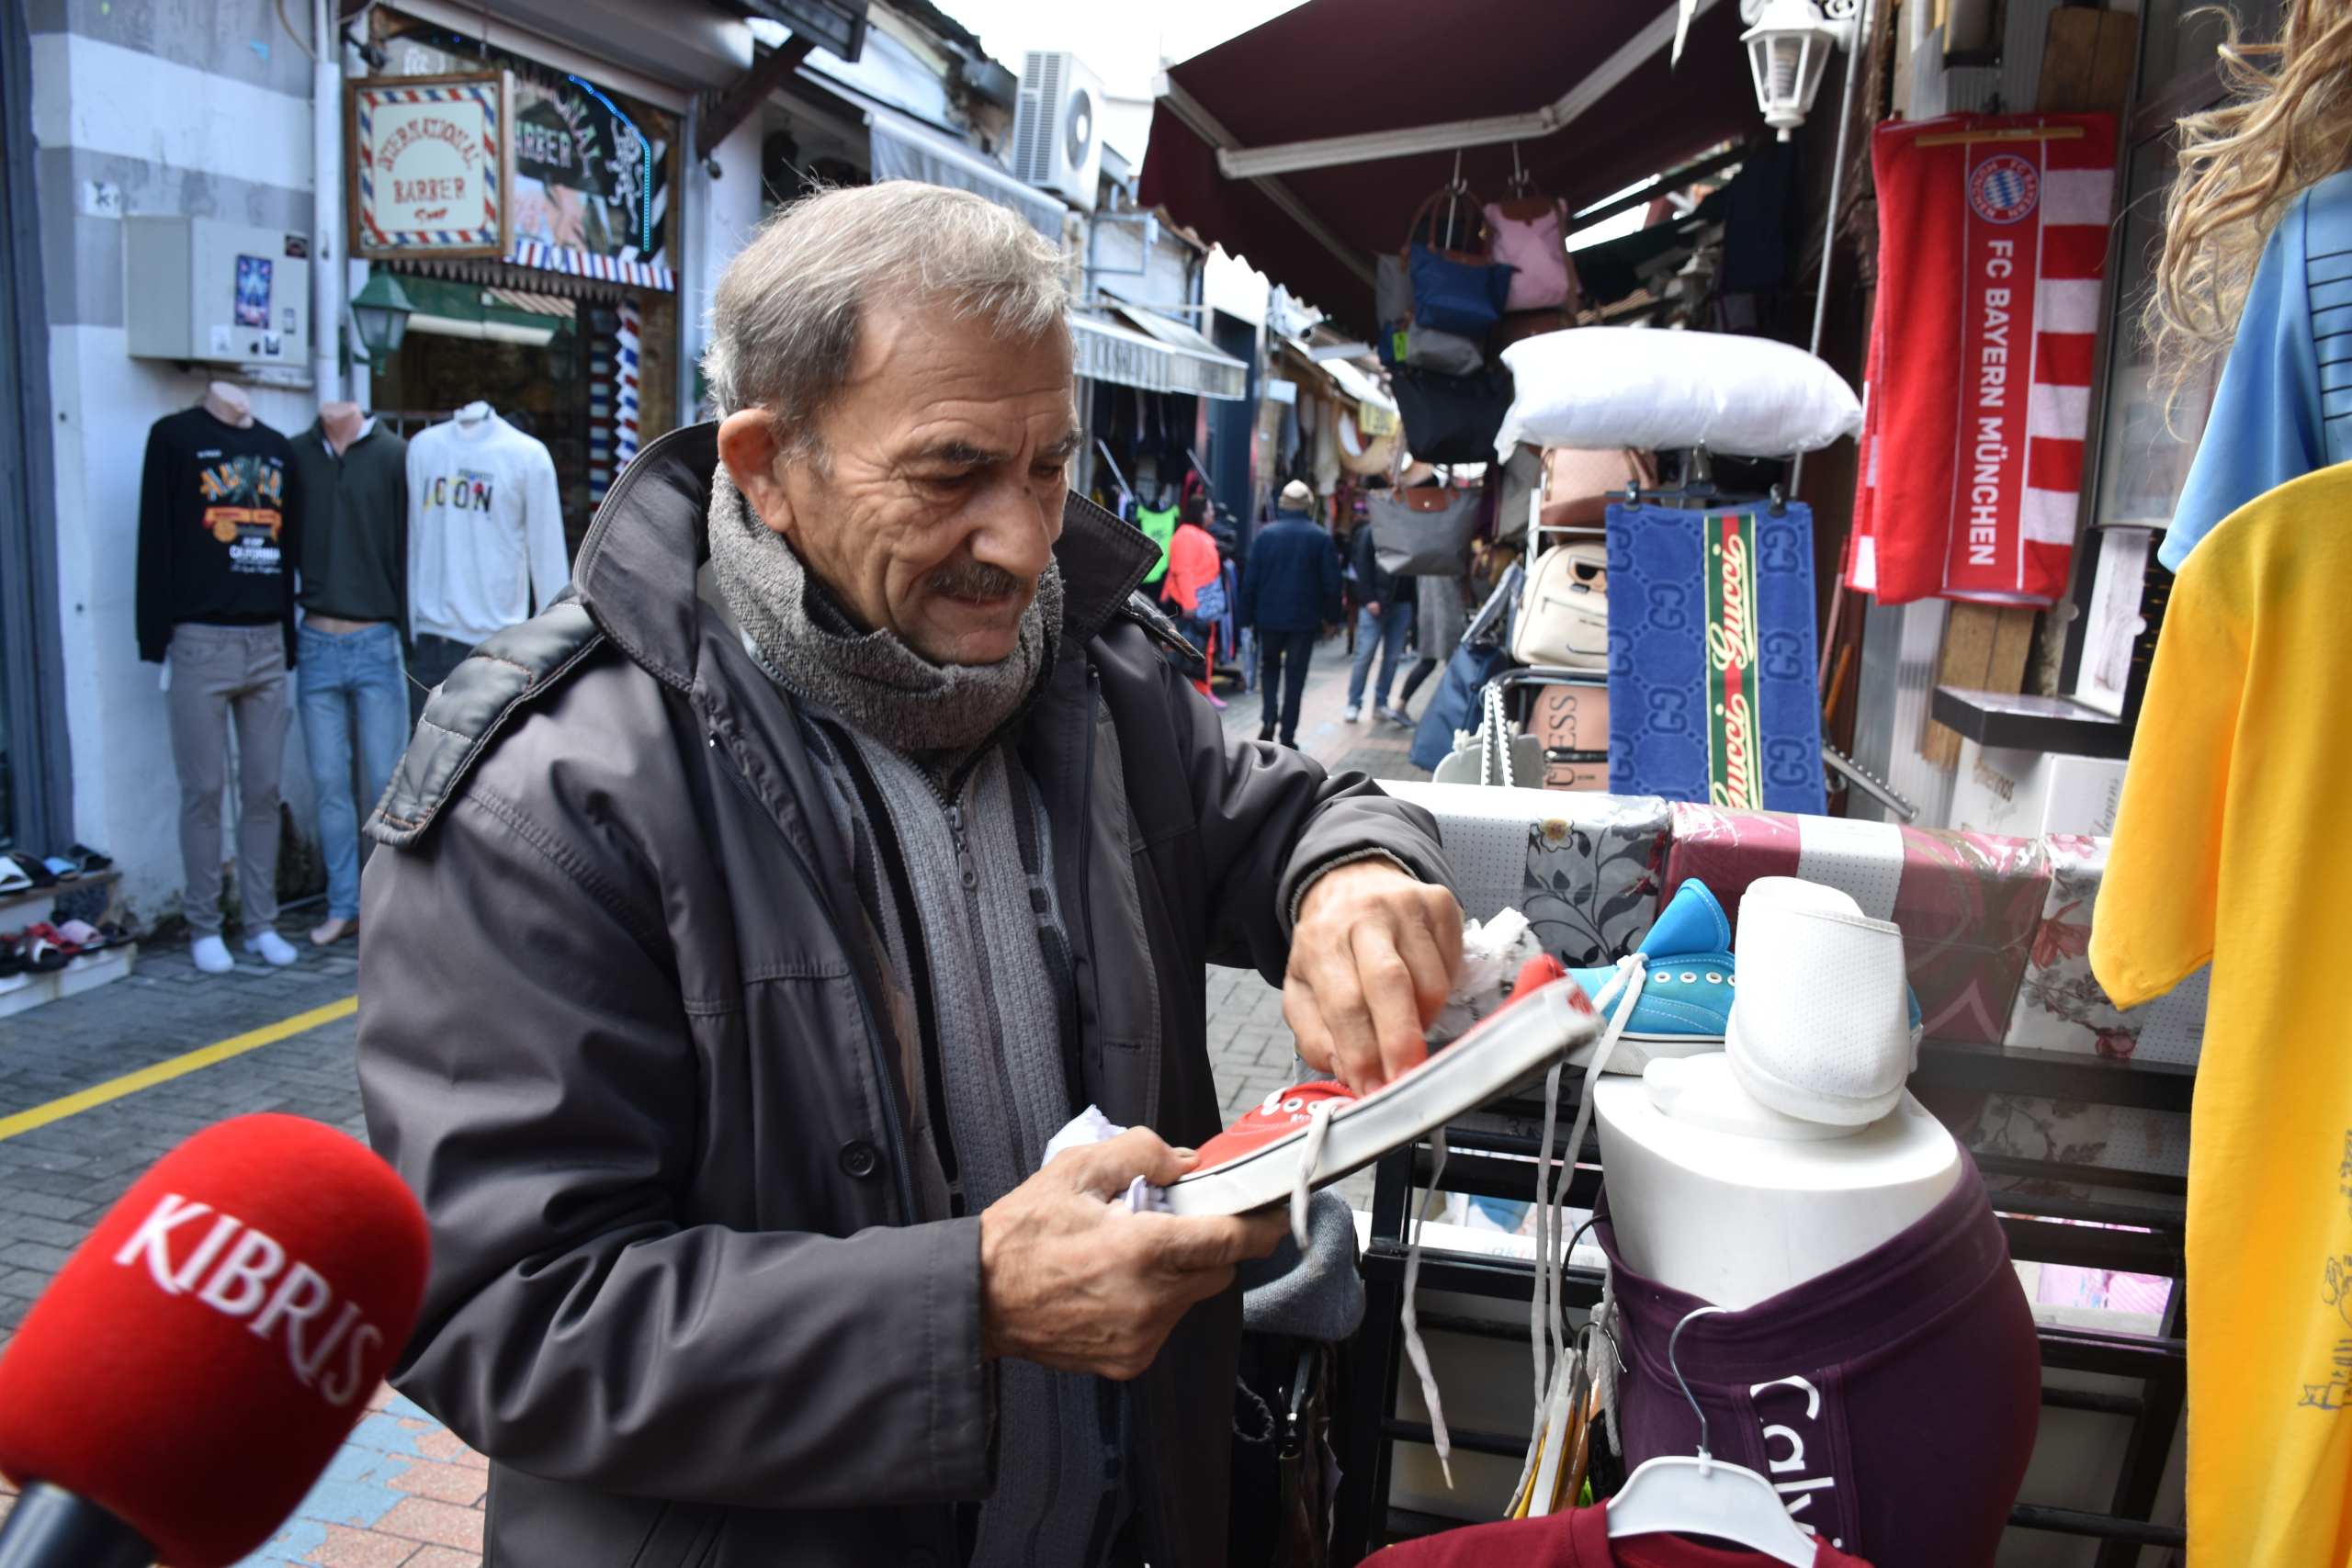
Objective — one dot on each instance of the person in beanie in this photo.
(1290, 592)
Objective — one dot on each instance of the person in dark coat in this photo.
(1290, 592)
(746, 925)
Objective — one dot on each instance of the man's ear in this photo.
(748, 447)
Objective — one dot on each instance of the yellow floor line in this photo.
(177, 1067)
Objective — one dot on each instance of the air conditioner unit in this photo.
(1057, 127)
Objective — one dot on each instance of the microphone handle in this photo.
(52, 1527)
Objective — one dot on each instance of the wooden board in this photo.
(1985, 648)
(2087, 62)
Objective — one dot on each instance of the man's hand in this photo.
(1373, 606)
(1070, 1279)
(1371, 963)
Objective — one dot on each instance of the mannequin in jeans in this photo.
(219, 532)
(353, 598)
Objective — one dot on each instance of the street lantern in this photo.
(380, 312)
(1787, 49)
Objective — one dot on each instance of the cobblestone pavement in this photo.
(404, 1493)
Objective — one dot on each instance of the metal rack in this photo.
(1491, 1153)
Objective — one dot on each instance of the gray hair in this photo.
(785, 319)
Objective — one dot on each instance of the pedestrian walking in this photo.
(1383, 616)
(1290, 592)
(1193, 569)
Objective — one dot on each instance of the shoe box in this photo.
(1969, 903)
(1572, 723)
(2028, 794)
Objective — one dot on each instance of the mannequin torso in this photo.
(1734, 1203)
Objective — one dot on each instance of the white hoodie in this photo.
(485, 528)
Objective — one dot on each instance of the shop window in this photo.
(2151, 427)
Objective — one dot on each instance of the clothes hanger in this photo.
(1706, 1495)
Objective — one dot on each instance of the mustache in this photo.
(977, 580)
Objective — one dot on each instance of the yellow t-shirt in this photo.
(2230, 846)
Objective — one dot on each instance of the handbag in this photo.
(1564, 621)
(1423, 532)
(1454, 290)
(1581, 483)
(1529, 235)
(1426, 348)
(1497, 753)
(1452, 418)
(1455, 706)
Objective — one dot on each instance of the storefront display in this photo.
(568, 324)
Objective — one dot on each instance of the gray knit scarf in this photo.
(876, 685)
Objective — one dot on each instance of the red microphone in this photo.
(197, 1363)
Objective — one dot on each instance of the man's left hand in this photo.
(1371, 963)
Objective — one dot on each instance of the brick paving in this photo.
(404, 1492)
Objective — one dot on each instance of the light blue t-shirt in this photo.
(2284, 406)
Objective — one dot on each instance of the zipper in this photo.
(1086, 847)
(900, 1170)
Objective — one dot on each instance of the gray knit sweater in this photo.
(953, 866)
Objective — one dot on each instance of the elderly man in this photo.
(755, 920)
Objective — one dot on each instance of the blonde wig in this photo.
(2288, 125)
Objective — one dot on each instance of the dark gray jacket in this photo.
(612, 1033)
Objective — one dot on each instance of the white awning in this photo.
(905, 149)
(1125, 357)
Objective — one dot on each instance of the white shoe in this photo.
(273, 948)
(1821, 1026)
(210, 955)
(1352, 715)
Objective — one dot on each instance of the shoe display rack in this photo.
(2111, 1399)
(93, 896)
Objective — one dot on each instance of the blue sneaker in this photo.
(1685, 1004)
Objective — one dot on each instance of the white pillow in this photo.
(1649, 388)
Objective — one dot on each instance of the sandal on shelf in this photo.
(12, 954)
(90, 862)
(13, 878)
(46, 951)
(83, 935)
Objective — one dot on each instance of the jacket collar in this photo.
(636, 570)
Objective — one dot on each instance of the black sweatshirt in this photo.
(220, 529)
(354, 535)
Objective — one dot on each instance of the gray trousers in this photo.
(221, 674)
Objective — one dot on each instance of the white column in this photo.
(326, 204)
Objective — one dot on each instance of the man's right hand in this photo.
(1070, 1279)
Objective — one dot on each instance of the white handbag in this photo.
(1496, 752)
(1564, 620)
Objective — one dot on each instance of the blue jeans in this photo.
(1282, 671)
(342, 677)
(1384, 633)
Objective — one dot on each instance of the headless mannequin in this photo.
(227, 402)
(342, 424)
(1727, 1199)
(1717, 1194)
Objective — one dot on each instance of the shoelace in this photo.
(1414, 1349)
(1556, 1362)
(1310, 1153)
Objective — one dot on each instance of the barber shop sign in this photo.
(432, 164)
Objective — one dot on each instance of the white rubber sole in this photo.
(1498, 1055)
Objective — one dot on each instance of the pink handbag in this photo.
(1531, 233)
